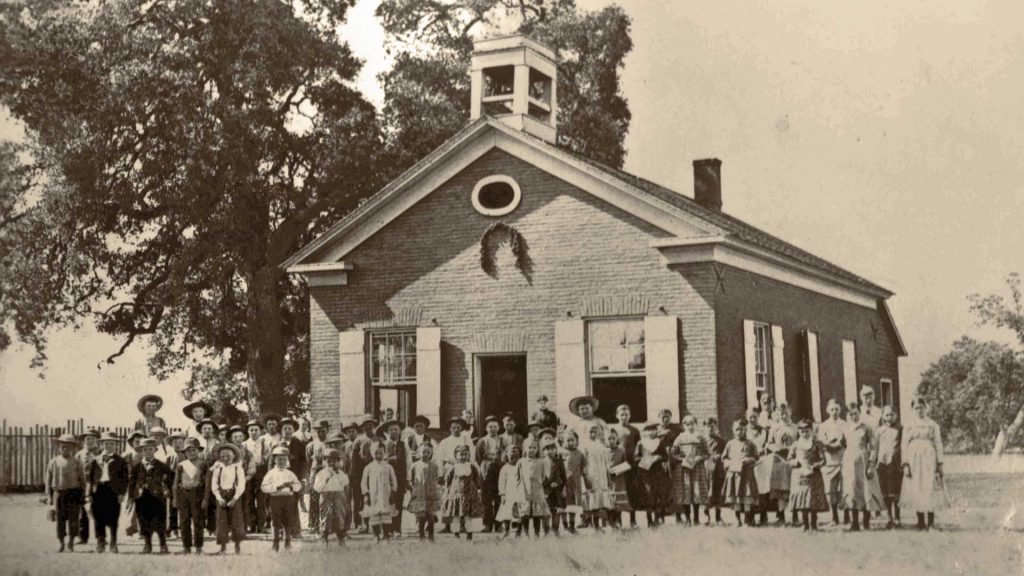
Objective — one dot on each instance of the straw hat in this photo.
(209, 421)
(66, 439)
(420, 418)
(289, 420)
(335, 437)
(280, 451)
(367, 418)
(574, 404)
(383, 428)
(146, 398)
(109, 437)
(187, 410)
(148, 443)
(228, 446)
(89, 432)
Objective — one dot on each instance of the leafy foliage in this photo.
(973, 391)
(187, 148)
(428, 90)
(998, 311)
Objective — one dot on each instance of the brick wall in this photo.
(582, 249)
(747, 296)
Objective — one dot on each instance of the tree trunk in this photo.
(1008, 433)
(265, 361)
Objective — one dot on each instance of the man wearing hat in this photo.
(255, 502)
(149, 486)
(544, 415)
(149, 405)
(64, 484)
(189, 493)
(106, 484)
(90, 449)
(315, 459)
(197, 411)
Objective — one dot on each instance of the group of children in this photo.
(231, 481)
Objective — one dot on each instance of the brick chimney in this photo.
(707, 183)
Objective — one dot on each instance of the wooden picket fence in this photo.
(25, 451)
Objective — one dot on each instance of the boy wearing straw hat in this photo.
(149, 405)
(107, 482)
(332, 485)
(90, 449)
(282, 486)
(65, 480)
(189, 494)
(228, 486)
(149, 485)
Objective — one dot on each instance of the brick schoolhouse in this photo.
(501, 267)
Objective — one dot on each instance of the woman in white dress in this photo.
(922, 489)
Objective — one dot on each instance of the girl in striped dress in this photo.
(462, 492)
(690, 450)
(598, 501)
(806, 489)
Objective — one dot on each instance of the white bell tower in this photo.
(514, 80)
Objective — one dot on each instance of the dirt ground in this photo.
(980, 534)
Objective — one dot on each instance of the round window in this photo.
(496, 196)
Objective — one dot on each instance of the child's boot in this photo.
(61, 549)
(238, 547)
(931, 520)
(920, 521)
(276, 547)
(147, 547)
(867, 520)
(186, 550)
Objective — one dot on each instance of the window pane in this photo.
(410, 367)
(636, 357)
(410, 344)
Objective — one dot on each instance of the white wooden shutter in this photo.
(428, 373)
(749, 350)
(352, 373)
(778, 365)
(570, 364)
(661, 349)
(813, 375)
(849, 371)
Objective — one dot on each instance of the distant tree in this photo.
(185, 150)
(976, 391)
(427, 91)
(975, 394)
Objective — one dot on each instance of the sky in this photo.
(885, 137)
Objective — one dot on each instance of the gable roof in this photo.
(710, 223)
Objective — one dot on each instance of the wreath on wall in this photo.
(490, 241)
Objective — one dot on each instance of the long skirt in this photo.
(923, 491)
(690, 487)
(620, 493)
(741, 490)
(334, 513)
(859, 491)
(890, 479)
(807, 492)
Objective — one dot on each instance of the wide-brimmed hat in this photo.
(382, 429)
(237, 428)
(66, 439)
(574, 404)
(349, 426)
(191, 442)
(187, 410)
(322, 424)
(421, 418)
(334, 437)
(367, 418)
(148, 443)
(544, 431)
(228, 446)
(89, 432)
(270, 416)
(146, 398)
(455, 419)
(289, 420)
(157, 430)
(109, 437)
(135, 434)
(176, 435)
(252, 423)
(280, 451)
(209, 421)
(535, 423)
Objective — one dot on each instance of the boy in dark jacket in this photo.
(149, 485)
(106, 485)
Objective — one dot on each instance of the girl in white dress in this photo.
(922, 489)
(598, 498)
(861, 492)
